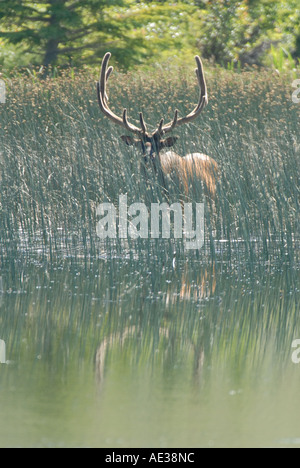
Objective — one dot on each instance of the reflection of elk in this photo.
(201, 289)
(192, 168)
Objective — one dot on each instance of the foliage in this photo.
(73, 33)
(245, 30)
(65, 32)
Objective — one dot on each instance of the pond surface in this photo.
(128, 352)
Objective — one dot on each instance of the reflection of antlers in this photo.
(102, 349)
(121, 337)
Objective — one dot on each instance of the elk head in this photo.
(150, 143)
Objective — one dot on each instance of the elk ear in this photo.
(168, 142)
(130, 141)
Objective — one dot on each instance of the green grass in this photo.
(59, 157)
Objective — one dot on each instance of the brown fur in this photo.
(190, 170)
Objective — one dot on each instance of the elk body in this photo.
(190, 169)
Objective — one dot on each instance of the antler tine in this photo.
(142, 122)
(160, 126)
(129, 126)
(104, 75)
(108, 73)
(103, 99)
(174, 122)
(203, 100)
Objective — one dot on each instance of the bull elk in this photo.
(189, 169)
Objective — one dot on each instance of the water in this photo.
(142, 352)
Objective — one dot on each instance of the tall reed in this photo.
(59, 158)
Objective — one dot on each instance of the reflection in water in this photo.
(192, 287)
(144, 328)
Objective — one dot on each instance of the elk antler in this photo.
(203, 100)
(162, 129)
(103, 100)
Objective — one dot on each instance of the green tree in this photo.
(73, 32)
(64, 31)
(227, 28)
(246, 29)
